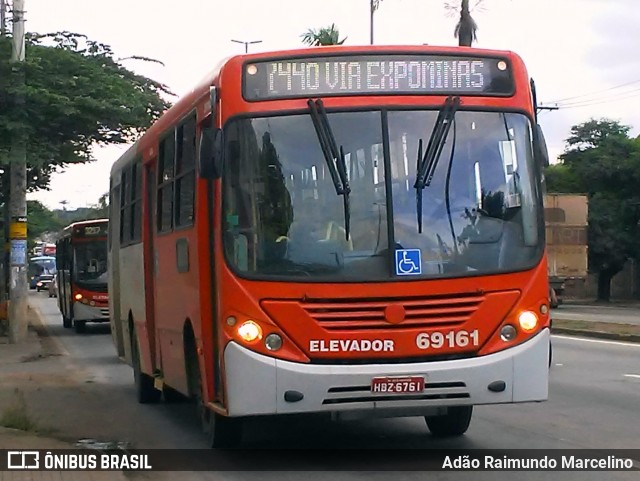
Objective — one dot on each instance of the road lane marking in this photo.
(635, 376)
(597, 341)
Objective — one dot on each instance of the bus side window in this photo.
(185, 173)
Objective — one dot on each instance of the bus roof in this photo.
(67, 231)
(189, 101)
(41, 258)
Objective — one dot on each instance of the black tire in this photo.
(146, 393)
(224, 432)
(454, 423)
(80, 326)
(66, 322)
(172, 396)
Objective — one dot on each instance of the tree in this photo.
(466, 28)
(594, 133)
(41, 221)
(602, 161)
(322, 36)
(77, 96)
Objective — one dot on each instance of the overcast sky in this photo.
(578, 51)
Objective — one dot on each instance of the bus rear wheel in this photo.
(454, 423)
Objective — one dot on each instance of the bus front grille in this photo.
(348, 314)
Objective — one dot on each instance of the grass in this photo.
(596, 326)
(16, 415)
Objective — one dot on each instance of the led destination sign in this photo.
(91, 230)
(375, 75)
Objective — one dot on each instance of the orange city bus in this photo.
(81, 259)
(348, 230)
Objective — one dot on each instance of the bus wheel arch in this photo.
(222, 431)
(193, 373)
(146, 393)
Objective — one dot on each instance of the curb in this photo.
(46, 338)
(596, 334)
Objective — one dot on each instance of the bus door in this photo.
(114, 241)
(150, 259)
(64, 280)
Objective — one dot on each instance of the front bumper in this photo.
(83, 312)
(256, 384)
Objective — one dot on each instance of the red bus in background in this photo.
(81, 258)
(350, 230)
(49, 250)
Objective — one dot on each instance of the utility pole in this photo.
(18, 181)
(4, 258)
(548, 107)
(246, 44)
(3, 12)
(373, 6)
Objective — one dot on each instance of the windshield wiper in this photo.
(333, 156)
(426, 166)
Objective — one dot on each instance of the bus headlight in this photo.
(78, 296)
(249, 331)
(528, 321)
(273, 342)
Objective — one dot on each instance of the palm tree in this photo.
(323, 36)
(466, 28)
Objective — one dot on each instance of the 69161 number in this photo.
(451, 339)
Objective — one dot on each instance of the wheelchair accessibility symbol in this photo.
(408, 262)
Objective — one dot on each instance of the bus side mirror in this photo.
(210, 153)
(540, 147)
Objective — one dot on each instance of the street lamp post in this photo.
(246, 44)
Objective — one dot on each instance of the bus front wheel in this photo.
(146, 393)
(223, 432)
(454, 423)
(66, 322)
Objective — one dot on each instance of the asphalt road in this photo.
(594, 403)
(618, 314)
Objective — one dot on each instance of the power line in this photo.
(602, 97)
(599, 102)
(595, 92)
(591, 101)
(246, 44)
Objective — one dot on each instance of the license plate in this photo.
(413, 384)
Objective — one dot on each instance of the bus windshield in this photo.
(90, 263)
(42, 265)
(479, 212)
